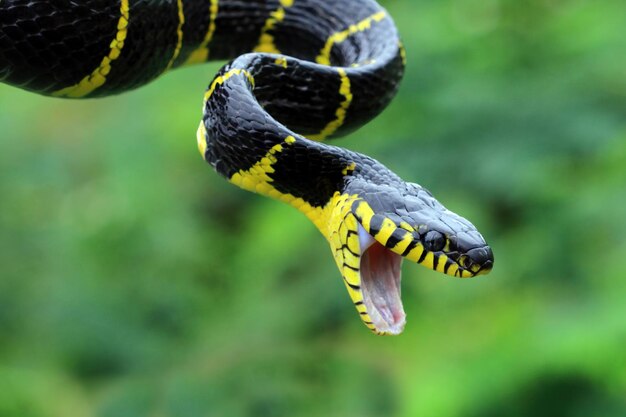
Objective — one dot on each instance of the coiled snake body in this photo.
(303, 71)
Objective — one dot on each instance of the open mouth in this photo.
(380, 284)
(369, 248)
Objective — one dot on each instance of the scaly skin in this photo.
(303, 71)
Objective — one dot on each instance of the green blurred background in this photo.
(137, 282)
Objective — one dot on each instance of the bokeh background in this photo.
(136, 282)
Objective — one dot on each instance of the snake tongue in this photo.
(380, 284)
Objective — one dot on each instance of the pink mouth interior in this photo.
(380, 284)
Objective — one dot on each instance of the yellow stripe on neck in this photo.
(340, 113)
(266, 41)
(201, 53)
(222, 78)
(258, 180)
(363, 25)
(97, 78)
(179, 34)
(201, 138)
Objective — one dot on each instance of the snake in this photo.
(298, 72)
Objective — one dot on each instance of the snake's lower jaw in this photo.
(370, 271)
(380, 271)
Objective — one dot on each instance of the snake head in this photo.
(375, 225)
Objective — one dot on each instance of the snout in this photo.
(479, 260)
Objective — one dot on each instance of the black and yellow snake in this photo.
(320, 68)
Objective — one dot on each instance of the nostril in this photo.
(481, 256)
(434, 241)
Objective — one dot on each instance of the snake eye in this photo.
(434, 241)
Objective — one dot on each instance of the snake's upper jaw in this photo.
(380, 285)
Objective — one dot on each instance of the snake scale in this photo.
(300, 71)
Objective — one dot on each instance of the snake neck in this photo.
(264, 111)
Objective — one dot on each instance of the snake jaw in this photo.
(370, 272)
(380, 271)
